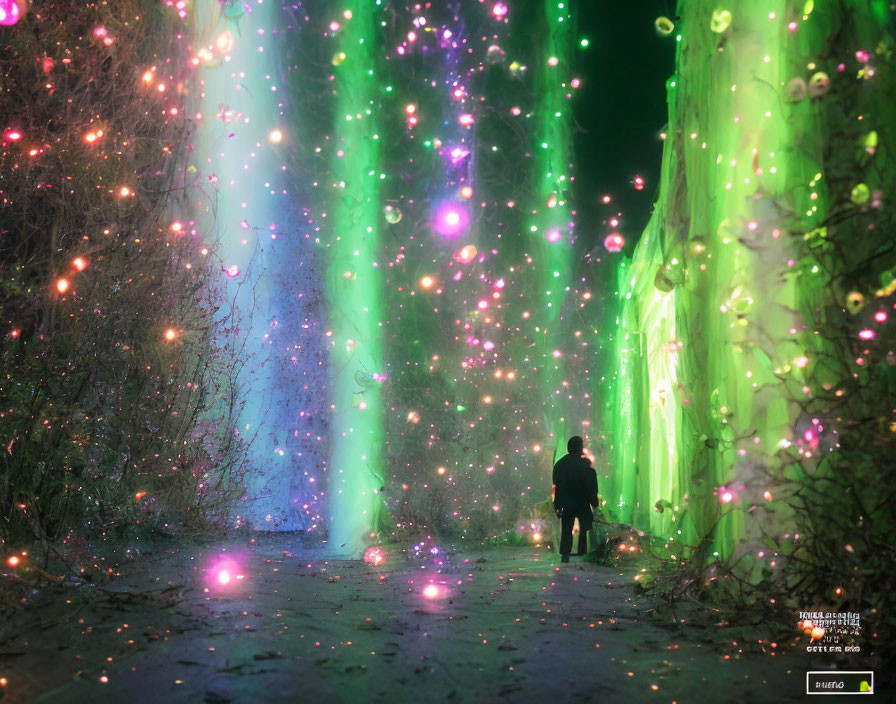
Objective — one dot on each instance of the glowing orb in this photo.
(860, 194)
(431, 591)
(801, 362)
(11, 134)
(79, 263)
(450, 220)
(223, 572)
(466, 254)
(13, 561)
(817, 632)
(225, 42)
(466, 193)
(392, 214)
(170, 334)
(855, 301)
(338, 58)
(536, 537)
(275, 137)
(458, 154)
(664, 26)
(866, 334)
(10, 12)
(125, 192)
(232, 271)
(720, 21)
(62, 285)
(819, 84)
(466, 119)
(499, 10)
(426, 282)
(374, 555)
(726, 497)
(614, 242)
(639, 183)
(553, 235)
(494, 54)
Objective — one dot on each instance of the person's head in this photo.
(576, 445)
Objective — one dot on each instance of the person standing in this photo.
(575, 496)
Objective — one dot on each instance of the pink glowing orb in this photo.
(10, 11)
(450, 220)
(466, 254)
(499, 10)
(458, 154)
(223, 571)
(553, 235)
(614, 242)
(232, 271)
(866, 334)
(374, 555)
(431, 591)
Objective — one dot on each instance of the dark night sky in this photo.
(621, 110)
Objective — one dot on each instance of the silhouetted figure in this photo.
(575, 496)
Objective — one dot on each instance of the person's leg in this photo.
(583, 542)
(566, 523)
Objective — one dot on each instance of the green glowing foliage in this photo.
(354, 290)
(551, 228)
(717, 359)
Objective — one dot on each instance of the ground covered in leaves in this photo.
(287, 623)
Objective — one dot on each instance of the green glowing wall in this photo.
(713, 349)
(354, 289)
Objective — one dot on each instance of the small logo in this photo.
(839, 682)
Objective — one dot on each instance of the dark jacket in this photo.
(576, 491)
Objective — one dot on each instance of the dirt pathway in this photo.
(506, 624)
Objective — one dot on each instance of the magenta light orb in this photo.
(614, 242)
(374, 555)
(232, 271)
(223, 572)
(11, 11)
(450, 220)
